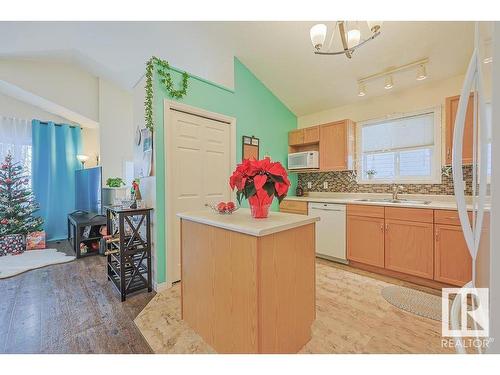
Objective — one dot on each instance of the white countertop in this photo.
(438, 202)
(242, 221)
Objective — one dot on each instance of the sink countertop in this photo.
(241, 221)
(438, 202)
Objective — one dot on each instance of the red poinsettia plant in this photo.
(260, 181)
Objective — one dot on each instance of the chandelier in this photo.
(350, 37)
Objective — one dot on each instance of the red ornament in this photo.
(5, 166)
(230, 206)
(4, 222)
(8, 181)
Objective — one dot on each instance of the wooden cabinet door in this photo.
(409, 247)
(451, 114)
(365, 240)
(452, 260)
(333, 146)
(296, 137)
(311, 135)
(294, 207)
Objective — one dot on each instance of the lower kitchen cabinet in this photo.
(294, 207)
(453, 263)
(365, 240)
(409, 247)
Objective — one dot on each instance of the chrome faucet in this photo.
(395, 191)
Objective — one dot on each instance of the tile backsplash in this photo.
(345, 182)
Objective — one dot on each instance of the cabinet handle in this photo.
(386, 227)
(437, 235)
(448, 152)
(382, 227)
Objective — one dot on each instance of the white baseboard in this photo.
(161, 286)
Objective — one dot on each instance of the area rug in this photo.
(11, 265)
(414, 301)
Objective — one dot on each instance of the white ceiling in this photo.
(278, 53)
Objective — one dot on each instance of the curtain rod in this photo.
(71, 126)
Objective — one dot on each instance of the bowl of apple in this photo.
(223, 208)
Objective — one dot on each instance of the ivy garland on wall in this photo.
(166, 80)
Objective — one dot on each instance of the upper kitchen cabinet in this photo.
(296, 137)
(305, 136)
(311, 135)
(336, 146)
(451, 109)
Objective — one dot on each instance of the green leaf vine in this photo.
(166, 80)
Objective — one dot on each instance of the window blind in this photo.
(399, 149)
(406, 132)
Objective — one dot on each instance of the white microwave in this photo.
(303, 160)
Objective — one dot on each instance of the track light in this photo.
(361, 89)
(421, 73)
(388, 83)
(488, 60)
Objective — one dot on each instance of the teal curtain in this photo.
(54, 163)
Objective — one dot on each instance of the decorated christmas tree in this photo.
(17, 202)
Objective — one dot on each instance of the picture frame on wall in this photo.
(250, 147)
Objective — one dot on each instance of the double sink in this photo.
(390, 200)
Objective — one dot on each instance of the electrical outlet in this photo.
(309, 185)
(325, 185)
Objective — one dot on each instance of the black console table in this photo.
(84, 227)
(129, 249)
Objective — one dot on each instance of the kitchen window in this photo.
(402, 149)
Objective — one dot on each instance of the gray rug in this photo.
(414, 301)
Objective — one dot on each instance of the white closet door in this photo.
(200, 164)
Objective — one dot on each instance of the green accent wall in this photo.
(258, 112)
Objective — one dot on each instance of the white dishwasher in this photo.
(330, 230)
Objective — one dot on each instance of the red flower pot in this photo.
(259, 210)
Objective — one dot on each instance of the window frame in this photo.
(436, 161)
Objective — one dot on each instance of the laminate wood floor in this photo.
(351, 317)
(69, 308)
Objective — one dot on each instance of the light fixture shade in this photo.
(388, 83)
(82, 158)
(353, 37)
(421, 73)
(361, 89)
(318, 35)
(374, 26)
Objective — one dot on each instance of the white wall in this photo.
(91, 145)
(77, 90)
(147, 184)
(11, 107)
(115, 128)
(429, 94)
(62, 83)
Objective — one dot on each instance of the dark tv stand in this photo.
(77, 221)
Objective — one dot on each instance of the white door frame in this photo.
(168, 106)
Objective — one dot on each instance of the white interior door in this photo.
(200, 163)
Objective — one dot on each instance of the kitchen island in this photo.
(248, 285)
